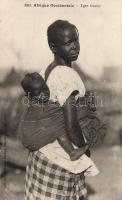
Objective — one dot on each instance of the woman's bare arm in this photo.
(71, 122)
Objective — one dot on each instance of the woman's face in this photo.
(67, 45)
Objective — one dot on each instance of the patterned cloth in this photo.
(48, 181)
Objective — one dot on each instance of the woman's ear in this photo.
(52, 47)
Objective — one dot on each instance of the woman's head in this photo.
(63, 39)
(34, 85)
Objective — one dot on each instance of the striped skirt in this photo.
(48, 181)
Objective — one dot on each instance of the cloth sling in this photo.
(45, 121)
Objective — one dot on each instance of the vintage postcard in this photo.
(74, 48)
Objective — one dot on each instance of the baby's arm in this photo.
(66, 144)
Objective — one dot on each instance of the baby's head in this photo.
(35, 86)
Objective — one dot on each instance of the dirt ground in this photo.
(105, 186)
(108, 184)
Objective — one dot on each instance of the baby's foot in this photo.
(77, 153)
(88, 153)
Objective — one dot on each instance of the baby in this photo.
(45, 118)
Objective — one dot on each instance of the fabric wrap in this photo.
(47, 122)
(48, 181)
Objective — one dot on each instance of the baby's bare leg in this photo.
(74, 154)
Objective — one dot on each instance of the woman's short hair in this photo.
(56, 27)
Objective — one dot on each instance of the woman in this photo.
(49, 172)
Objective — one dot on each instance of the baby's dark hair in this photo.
(29, 80)
(56, 27)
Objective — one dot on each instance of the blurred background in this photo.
(24, 48)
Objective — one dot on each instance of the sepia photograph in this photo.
(60, 100)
